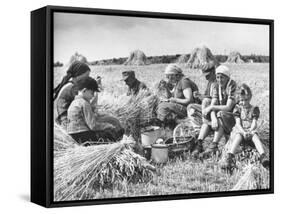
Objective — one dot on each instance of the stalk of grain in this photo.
(254, 177)
(80, 171)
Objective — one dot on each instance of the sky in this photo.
(103, 37)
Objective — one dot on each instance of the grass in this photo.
(181, 175)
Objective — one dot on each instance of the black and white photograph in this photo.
(148, 107)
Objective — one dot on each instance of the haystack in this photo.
(78, 57)
(183, 59)
(235, 57)
(136, 57)
(201, 56)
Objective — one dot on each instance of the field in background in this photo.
(181, 175)
(256, 75)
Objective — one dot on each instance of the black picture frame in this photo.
(42, 103)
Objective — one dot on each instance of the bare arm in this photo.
(94, 102)
(239, 125)
(188, 97)
(254, 125)
(90, 116)
(91, 119)
(228, 107)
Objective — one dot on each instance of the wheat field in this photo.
(181, 175)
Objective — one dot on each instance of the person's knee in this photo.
(163, 111)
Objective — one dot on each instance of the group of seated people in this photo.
(222, 113)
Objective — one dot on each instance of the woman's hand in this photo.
(173, 100)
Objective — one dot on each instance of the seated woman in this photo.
(216, 112)
(66, 90)
(84, 124)
(245, 131)
(174, 107)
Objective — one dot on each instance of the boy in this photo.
(246, 117)
(83, 123)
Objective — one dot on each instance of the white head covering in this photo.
(222, 69)
(173, 69)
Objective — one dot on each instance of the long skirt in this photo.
(171, 111)
(227, 121)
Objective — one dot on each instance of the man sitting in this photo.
(134, 85)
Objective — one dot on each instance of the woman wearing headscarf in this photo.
(182, 95)
(217, 115)
(66, 91)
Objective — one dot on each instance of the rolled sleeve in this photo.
(231, 89)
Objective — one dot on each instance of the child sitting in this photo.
(83, 123)
(246, 117)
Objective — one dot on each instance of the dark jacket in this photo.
(134, 89)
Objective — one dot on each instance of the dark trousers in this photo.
(105, 135)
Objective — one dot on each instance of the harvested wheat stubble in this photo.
(254, 177)
(81, 171)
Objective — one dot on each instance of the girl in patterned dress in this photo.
(245, 130)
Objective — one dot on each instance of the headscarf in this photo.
(76, 69)
(173, 69)
(222, 69)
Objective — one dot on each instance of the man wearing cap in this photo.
(217, 116)
(134, 85)
(174, 108)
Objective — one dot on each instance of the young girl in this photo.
(66, 90)
(246, 117)
(217, 112)
(83, 123)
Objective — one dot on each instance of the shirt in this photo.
(209, 89)
(183, 84)
(223, 94)
(81, 117)
(247, 115)
(135, 88)
(65, 97)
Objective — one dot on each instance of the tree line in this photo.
(172, 59)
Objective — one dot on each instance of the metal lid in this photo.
(160, 146)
